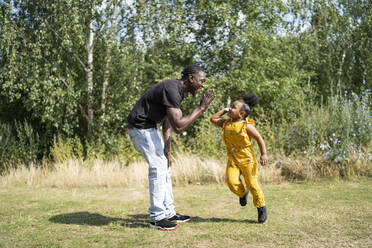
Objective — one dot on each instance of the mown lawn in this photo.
(322, 214)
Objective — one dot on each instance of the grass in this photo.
(186, 169)
(319, 214)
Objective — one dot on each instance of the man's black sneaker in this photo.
(262, 214)
(164, 225)
(180, 218)
(243, 200)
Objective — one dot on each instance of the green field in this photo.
(322, 214)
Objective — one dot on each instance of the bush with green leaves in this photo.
(340, 131)
(19, 143)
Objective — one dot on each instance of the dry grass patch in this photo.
(314, 167)
(186, 169)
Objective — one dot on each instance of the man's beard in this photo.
(194, 91)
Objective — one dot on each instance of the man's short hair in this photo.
(191, 69)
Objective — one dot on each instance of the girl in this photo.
(237, 133)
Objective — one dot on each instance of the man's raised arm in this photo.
(179, 122)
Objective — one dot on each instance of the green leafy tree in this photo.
(48, 60)
(335, 47)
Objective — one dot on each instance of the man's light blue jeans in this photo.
(150, 144)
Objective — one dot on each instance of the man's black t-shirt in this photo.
(151, 107)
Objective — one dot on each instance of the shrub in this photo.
(340, 131)
(19, 143)
(64, 149)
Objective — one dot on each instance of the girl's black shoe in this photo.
(262, 214)
(243, 200)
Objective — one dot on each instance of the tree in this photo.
(335, 47)
(48, 61)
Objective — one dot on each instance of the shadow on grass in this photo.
(94, 219)
(200, 219)
(133, 221)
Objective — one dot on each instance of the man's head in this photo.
(194, 78)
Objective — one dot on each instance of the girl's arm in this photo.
(252, 131)
(216, 119)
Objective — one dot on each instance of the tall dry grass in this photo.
(315, 167)
(186, 169)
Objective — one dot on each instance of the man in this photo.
(161, 104)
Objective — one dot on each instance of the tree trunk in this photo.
(108, 63)
(340, 69)
(89, 71)
(105, 83)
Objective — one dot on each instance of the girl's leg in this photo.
(250, 174)
(233, 179)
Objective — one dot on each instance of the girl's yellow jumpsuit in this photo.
(241, 160)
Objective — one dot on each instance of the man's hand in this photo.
(168, 156)
(180, 123)
(207, 99)
(167, 139)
